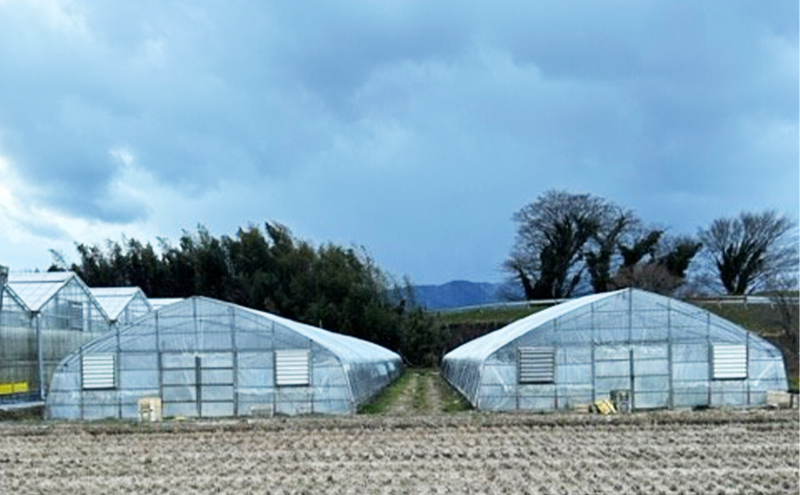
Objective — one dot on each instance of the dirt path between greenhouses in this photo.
(433, 391)
(403, 404)
(423, 392)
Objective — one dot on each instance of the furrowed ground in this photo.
(408, 448)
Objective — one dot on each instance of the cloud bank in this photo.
(412, 128)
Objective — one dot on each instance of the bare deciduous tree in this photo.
(656, 262)
(552, 236)
(599, 260)
(652, 277)
(747, 251)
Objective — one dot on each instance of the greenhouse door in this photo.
(642, 369)
(197, 385)
(650, 377)
(612, 370)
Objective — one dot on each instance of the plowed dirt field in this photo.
(710, 452)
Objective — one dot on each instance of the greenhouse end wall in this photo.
(19, 370)
(207, 358)
(34, 340)
(659, 349)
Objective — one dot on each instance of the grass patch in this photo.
(420, 398)
(452, 401)
(794, 384)
(487, 315)
(759, 318)
(33, 413)
(381, 403)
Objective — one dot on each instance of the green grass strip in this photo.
(420, 399)
(452, 401)
(381, 403)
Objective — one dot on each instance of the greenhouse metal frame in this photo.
(160, 302)
(122, 305)
(43, 317)
(661, 352)
(206, 358)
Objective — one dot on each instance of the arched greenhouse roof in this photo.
(346, 348)
(483, 347)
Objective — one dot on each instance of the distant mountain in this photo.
(456, 294)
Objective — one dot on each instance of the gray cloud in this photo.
(404, 125)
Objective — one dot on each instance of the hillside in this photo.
(456, 294)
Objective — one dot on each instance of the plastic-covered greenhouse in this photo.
(665, 353)
(43, 317)
(160, 302)
(207, 358)
(122, 304)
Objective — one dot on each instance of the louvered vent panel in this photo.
(729, 361)
(76, 315)
(537, 364)
(292, 367)
(98, 371)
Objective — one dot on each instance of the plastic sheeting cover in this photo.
(656, 347)
(210, 358)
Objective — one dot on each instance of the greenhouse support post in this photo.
(159, 359)
(117, 367)
(80, 394)
(633, 378)
(671, 392)
(709, 356)
(198, 379)
(235, 349)
(39, 353)
(747, 365)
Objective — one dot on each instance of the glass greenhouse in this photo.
(207, 358)
(122, 304)
(43, 317)
(665, 353)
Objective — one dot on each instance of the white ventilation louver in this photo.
(292, 367)
(729, 361)
(536, 364)
(98, 371)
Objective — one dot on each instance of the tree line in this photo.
(568, 243)
(333, 287)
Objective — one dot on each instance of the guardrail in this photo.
(503, 305)
(743, 300)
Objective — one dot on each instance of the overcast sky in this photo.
(413, 128)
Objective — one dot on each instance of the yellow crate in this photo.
(605, 407)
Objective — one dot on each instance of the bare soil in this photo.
(709, 452)
(433, 390)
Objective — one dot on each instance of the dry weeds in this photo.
(712, 452)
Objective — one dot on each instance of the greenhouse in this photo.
(160, 302)
(43, 318)
(122, 304)
(206, 358)
(658, 352)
